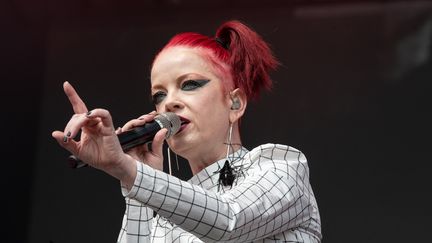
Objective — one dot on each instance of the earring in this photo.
(169, 161)
(226, 174)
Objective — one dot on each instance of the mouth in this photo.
(183, 124)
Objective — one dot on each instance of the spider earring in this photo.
(226, 174)
(169, 161)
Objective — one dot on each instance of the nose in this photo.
(173, 103)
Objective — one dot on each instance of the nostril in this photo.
(173, 105)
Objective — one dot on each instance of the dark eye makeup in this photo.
(158, 97)
(187, 85)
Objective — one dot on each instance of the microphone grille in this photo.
(170, 121)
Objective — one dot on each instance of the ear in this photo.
(238, 104)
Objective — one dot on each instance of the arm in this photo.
(137, 222)
(99, 147)
(274, 197)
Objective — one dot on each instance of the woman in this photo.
(235, 195)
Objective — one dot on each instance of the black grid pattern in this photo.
(270, 201)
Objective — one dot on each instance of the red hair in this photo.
(239, 48)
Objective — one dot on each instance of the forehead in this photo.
(177, 61)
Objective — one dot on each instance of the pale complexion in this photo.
(183, 82)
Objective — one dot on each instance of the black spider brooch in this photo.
(228, 174)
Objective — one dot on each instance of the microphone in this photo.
(140, 135)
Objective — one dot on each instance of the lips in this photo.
(183, 124)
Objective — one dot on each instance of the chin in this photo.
(180, 146)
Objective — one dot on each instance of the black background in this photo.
(353, 93)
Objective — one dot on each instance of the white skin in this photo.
(207, 106)
(201, 141)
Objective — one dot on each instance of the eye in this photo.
(158, 97)
(189, 85)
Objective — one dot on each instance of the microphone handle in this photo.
(129, 139)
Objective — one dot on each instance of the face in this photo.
(184, 82)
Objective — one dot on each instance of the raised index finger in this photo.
(77, 104)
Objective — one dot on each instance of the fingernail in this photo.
(68, 134)
(65, 139)
(88, 113)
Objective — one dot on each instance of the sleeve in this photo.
(137, 219)
(274, 197)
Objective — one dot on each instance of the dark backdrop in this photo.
(352, 93)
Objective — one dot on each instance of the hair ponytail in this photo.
(250, 57)
(235, 45)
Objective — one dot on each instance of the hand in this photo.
(99, 146)
(150, 154)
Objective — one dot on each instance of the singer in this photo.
(235, 194)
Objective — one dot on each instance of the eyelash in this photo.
(196, 84)
(158, 96)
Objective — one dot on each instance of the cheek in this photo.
(214, 104)
(157, 109)
(214, 114)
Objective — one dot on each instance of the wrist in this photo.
(125, 171)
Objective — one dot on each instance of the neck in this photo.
(201, 161)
